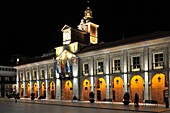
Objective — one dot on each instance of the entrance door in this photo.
(44, 94)
(113, 92)
(52, 95)
(98, 95)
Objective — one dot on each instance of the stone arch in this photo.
(157, 87)
(43, 89)
(137, 86)
(52, 90)
(86, 90)
(117, 89)
(28, 90)
(22, 90)
(100, 89)
(35, 90)
(67, 91)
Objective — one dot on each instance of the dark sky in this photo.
(33, 28)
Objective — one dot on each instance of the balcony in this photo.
(116, 70)
(99, 71)
(85, 73)
(158, 65)
(134, 68)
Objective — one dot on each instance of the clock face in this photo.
(66, 38)
(93, 40)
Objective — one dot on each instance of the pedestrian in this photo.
(15, 98)
(136, 101)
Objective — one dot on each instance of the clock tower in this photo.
(88, 26)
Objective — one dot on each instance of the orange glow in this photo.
(137, 86)
(118, 83)
(28, 90)
(158, 87)
(158, 81)
(68, 90)
(35, 90)
(101, 88)
(86, 90)
(117, 89)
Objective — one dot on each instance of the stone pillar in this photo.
(106, 70)
(146, 74)
(30, 79)
(58, 80)
(76, 84)
(58, 89)
(91, 72)
(17, 81)
(46, 81)
(38, 82)
(125, 67)
(149, 73)
(108, 86)
(168, 78)
(24, 83)
(76, 87)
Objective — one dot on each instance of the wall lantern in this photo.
(117, 81)
(159, 79)
(136, 80)
(86, 83)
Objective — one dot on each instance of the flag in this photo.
(62, 66)
(68, 69)
(58, 70)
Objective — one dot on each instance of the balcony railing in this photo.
(158, 65)
(135, 68)
(116, 70)
(99, 71)
(85, 73)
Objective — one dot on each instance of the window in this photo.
(100, 68)
(6, 78)
(51, 73)
(27, 76)
(85, 69)
(13, 79)
(158, 62)
(116, 66)
(34, 75)
(21, 76)
(135, 64)
(42, 74)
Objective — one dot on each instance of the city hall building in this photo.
(82, 65)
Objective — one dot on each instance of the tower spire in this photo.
(88, 13)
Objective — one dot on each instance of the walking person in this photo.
(136, 101)
(15, 99)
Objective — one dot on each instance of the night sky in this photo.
(34, 28)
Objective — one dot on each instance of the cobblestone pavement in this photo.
(97, 105)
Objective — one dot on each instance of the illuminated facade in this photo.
(7, 81)
(135, 65)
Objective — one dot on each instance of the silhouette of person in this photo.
(136, 102)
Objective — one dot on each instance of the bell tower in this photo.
(88, 26)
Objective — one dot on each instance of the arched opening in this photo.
(158, 86)
(21, 90)
(101, 89)
(43, 91)
(86, 90)
(35, 90)
(117, 89)
(28, 90)
(67, 92)
(52, 90)
(137, 86)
